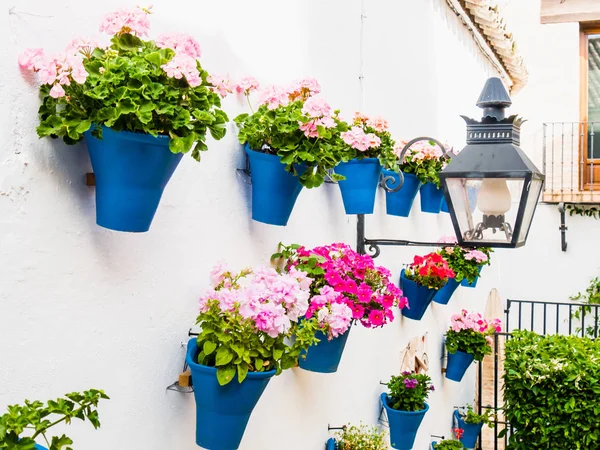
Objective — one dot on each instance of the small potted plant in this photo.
(464, 262)
(140, 104)
(368, 147)
(292, 140)
(246, 321)
(361, 437)
(480, 257)
(346, 287)
(36, 419)
(420, 167)
(469, 338)
(413, 167)
(421, 280)
(471, 423)
(405, 407)
(450, 444)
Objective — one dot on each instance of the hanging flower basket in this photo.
(404, 425)
(260, 319)
(346, 287)
(473, 284)
(419, 297)
(131, 171)
(458, 363)
(468, 339)
(431, 198)
(360, 184)
(222, 412)
(471, 431)
(139, 104)
(325, 356)
(400, 203)
(274, 190)
(421, 281)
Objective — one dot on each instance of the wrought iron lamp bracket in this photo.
(373, 246)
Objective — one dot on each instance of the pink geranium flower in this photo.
(247, 85)
(126, 20)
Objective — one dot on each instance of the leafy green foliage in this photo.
(583, 211)
(231, 342)
(277, 132)
(384, 152)
(449, 444)
(469, 341)
(127, 89)
(426, 165)
(468, 269)
(470, 416)
(361, 437)
(552, 392)
(408, 391)
(591, 296)
(35, 419)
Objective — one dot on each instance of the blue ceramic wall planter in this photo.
(457, 366)
(331, 444)
(222, 412)
(470, 431)
(443, 295)
(400, 203)
(404, 425)
(325, 356)
(39, 447)
(465, 282)
(431, 198)
(274, 190)
(131, 171)
(360, 186)
(419, 298)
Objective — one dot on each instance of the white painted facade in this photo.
(81, 306)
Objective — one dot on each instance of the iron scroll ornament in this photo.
(384, 181)
(372, 246)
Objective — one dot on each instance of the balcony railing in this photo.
(571, 162)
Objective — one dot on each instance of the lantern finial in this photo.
(494, 99)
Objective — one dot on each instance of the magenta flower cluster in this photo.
(350, 288)
(270, 300)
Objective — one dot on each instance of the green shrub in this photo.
(551, 392)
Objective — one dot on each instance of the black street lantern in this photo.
(491, 186)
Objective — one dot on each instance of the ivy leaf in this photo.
(209, 347)
(224, 356)
(225, 374)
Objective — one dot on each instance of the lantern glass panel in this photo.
(486, 208)
(532, 198)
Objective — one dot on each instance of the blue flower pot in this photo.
(331, 444)
(445, 205)
(360, 186)
(431, 198)
(274, 190)
(433, 444)
(222, 412)
(403, 425)
(400, 203)
(458, 363)
(443, 295)
(419, 297)
(325, 356)
(471, 431)
(131, 170)
(39, 447)
(466, 283)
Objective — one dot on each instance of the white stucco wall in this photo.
(81, 306)
(540, 270)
